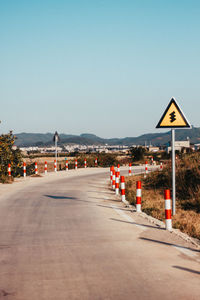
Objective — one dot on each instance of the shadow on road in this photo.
(67, 198)
(134, 223)
(168, 244)
(59, 197)
(187, 270)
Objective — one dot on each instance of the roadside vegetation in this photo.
(9, 155)
(187, 217)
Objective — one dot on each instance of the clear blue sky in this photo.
(107, 67)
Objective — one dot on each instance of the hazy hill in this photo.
(39, 139)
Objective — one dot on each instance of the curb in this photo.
(161, 224)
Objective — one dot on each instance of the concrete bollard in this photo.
(36, 169)
(129, 170)
(9, 170)
(96, 162)
(123, 189)
(138, 196)
(146, 169)
(113, 179)
(168, 211)
(118, 170)
(117, 183)
(76, 164)
(55, 166)
(66, 165)
(45, 167)
(111, 174)
(85, 163)
(24, 169)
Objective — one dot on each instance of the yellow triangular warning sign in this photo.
(173, 117)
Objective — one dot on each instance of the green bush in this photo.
(9, 155)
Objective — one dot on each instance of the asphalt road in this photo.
(71, 238)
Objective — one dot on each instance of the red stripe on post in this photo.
(138, 185)
(168, 214)
(167, 194)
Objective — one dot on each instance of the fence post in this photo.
(96, 162)
(55, 165)
(138, 196)
(123, 189)
(129, 170)
(111, 174)
(24, 169)
(117, 183)
(45, 167)
(66, 165)
(146, 169)
(168, 211)
(36, 169)
(9, 170)
(113, 179)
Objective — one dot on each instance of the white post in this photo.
(173, 175)
(56, 151)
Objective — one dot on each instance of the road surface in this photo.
(69, 237)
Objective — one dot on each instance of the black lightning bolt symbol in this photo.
(172, 117)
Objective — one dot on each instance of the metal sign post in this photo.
(173, 174)
(56, 139)
(173, 118)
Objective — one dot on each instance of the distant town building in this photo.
(153, 149)
(179, 145)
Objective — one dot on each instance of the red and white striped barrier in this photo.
(123, 189)
(36, 168)
(66, 165)
(45, 167)
(55, 166)
(161, 167)
(85, 163)
(111, 174)
(117, 183)
(138, 196)
(168, 211)
(96, 162)
(118, 168)
(146, 168)
(9, 169)
(129, 170)
(24, 169)
(76, 164)
(113, 179)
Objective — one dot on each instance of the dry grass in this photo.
(186, 219)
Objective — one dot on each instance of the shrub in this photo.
(137, 153)
(9, 155)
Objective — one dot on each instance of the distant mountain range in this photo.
(156, 139)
